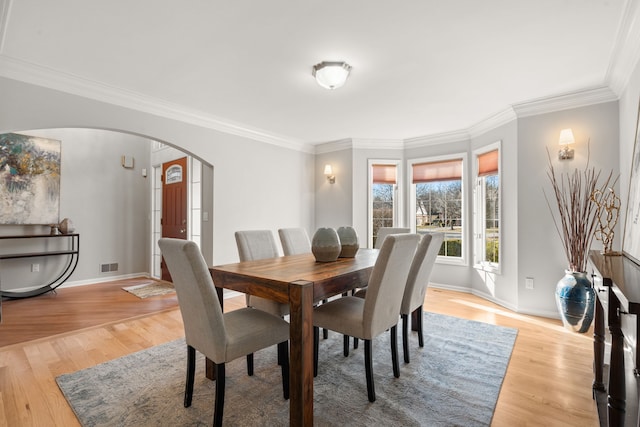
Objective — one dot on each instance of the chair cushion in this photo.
(343, 315)
(250, 330)
(270, 306)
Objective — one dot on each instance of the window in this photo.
(438, 202)
(487, 209)
(383, 192)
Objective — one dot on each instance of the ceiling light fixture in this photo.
(331, 75)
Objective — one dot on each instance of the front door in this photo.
(174, 204)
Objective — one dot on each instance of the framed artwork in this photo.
(631, 238)
(29, 180)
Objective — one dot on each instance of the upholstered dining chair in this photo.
(294, 241)
(221, 337)
(378, 311)
(254, 245)
(385, 231)
(415, 289)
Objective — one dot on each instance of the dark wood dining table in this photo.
(301, 282)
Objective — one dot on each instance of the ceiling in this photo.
(420, 67)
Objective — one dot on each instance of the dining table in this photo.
(301, 282)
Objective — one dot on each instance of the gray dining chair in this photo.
(294, 241)
(366, 318)
(221, 337)
(385, 231)
(254, 245)
(415, 290)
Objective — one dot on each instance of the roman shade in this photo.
(446, 170)
(384, 174)
(488, 163)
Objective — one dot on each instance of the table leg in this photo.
(301, 339)
(598, 348)
(616, 401)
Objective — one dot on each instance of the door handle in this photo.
(182, 231)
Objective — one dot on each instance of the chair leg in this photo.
(250, 364)
(345, 350)
(355, 342)
(420, 337)
(316, 344)
(405, 337)
(325, 332)
(191, 370)
(283, 355)
(219, 405)
(368, 367)
(394, 351)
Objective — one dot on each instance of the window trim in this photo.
(397, 195)
(478, 259)
(411, 191)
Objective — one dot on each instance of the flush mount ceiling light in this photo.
(331, 75)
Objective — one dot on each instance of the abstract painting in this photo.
(29, 180)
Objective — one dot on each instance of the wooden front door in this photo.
(174, 204)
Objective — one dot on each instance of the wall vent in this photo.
(104, 268)
(113, 266)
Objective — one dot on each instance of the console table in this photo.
(70, 248)
(616, 280)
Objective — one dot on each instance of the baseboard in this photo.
(95, 281)
(539, 313)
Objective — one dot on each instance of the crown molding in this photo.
(626, 51)
(492, 122)
(333, 146)
(581, 98)
(374, 144)
(76, 85)
(437, 139)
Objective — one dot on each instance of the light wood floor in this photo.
(548, 382)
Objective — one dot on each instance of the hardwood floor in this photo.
(548, 382)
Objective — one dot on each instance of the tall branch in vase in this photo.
(577, 214)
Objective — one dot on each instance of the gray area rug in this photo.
(453, 381)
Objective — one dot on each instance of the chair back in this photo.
(204, 326)
(420, 272)
(387, 283)
(294, 241)
(256, 244)
(385, 231)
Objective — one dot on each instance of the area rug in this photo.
(150, 289)
(454, 380)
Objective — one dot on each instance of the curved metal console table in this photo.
(72, 251)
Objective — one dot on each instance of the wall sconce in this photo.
(328, 171)
(566, 139)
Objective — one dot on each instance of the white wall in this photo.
(256, 185)
(628, 105)
(540, 251)
(108, 204)
(333, 207)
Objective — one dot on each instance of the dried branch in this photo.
(578, 215)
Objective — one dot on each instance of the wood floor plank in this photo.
(548, 381)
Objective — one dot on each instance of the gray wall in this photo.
(255, 185)
(530, 244)
(108, 204)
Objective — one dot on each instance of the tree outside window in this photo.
(439, 201)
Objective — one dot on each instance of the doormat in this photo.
(150, 289)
